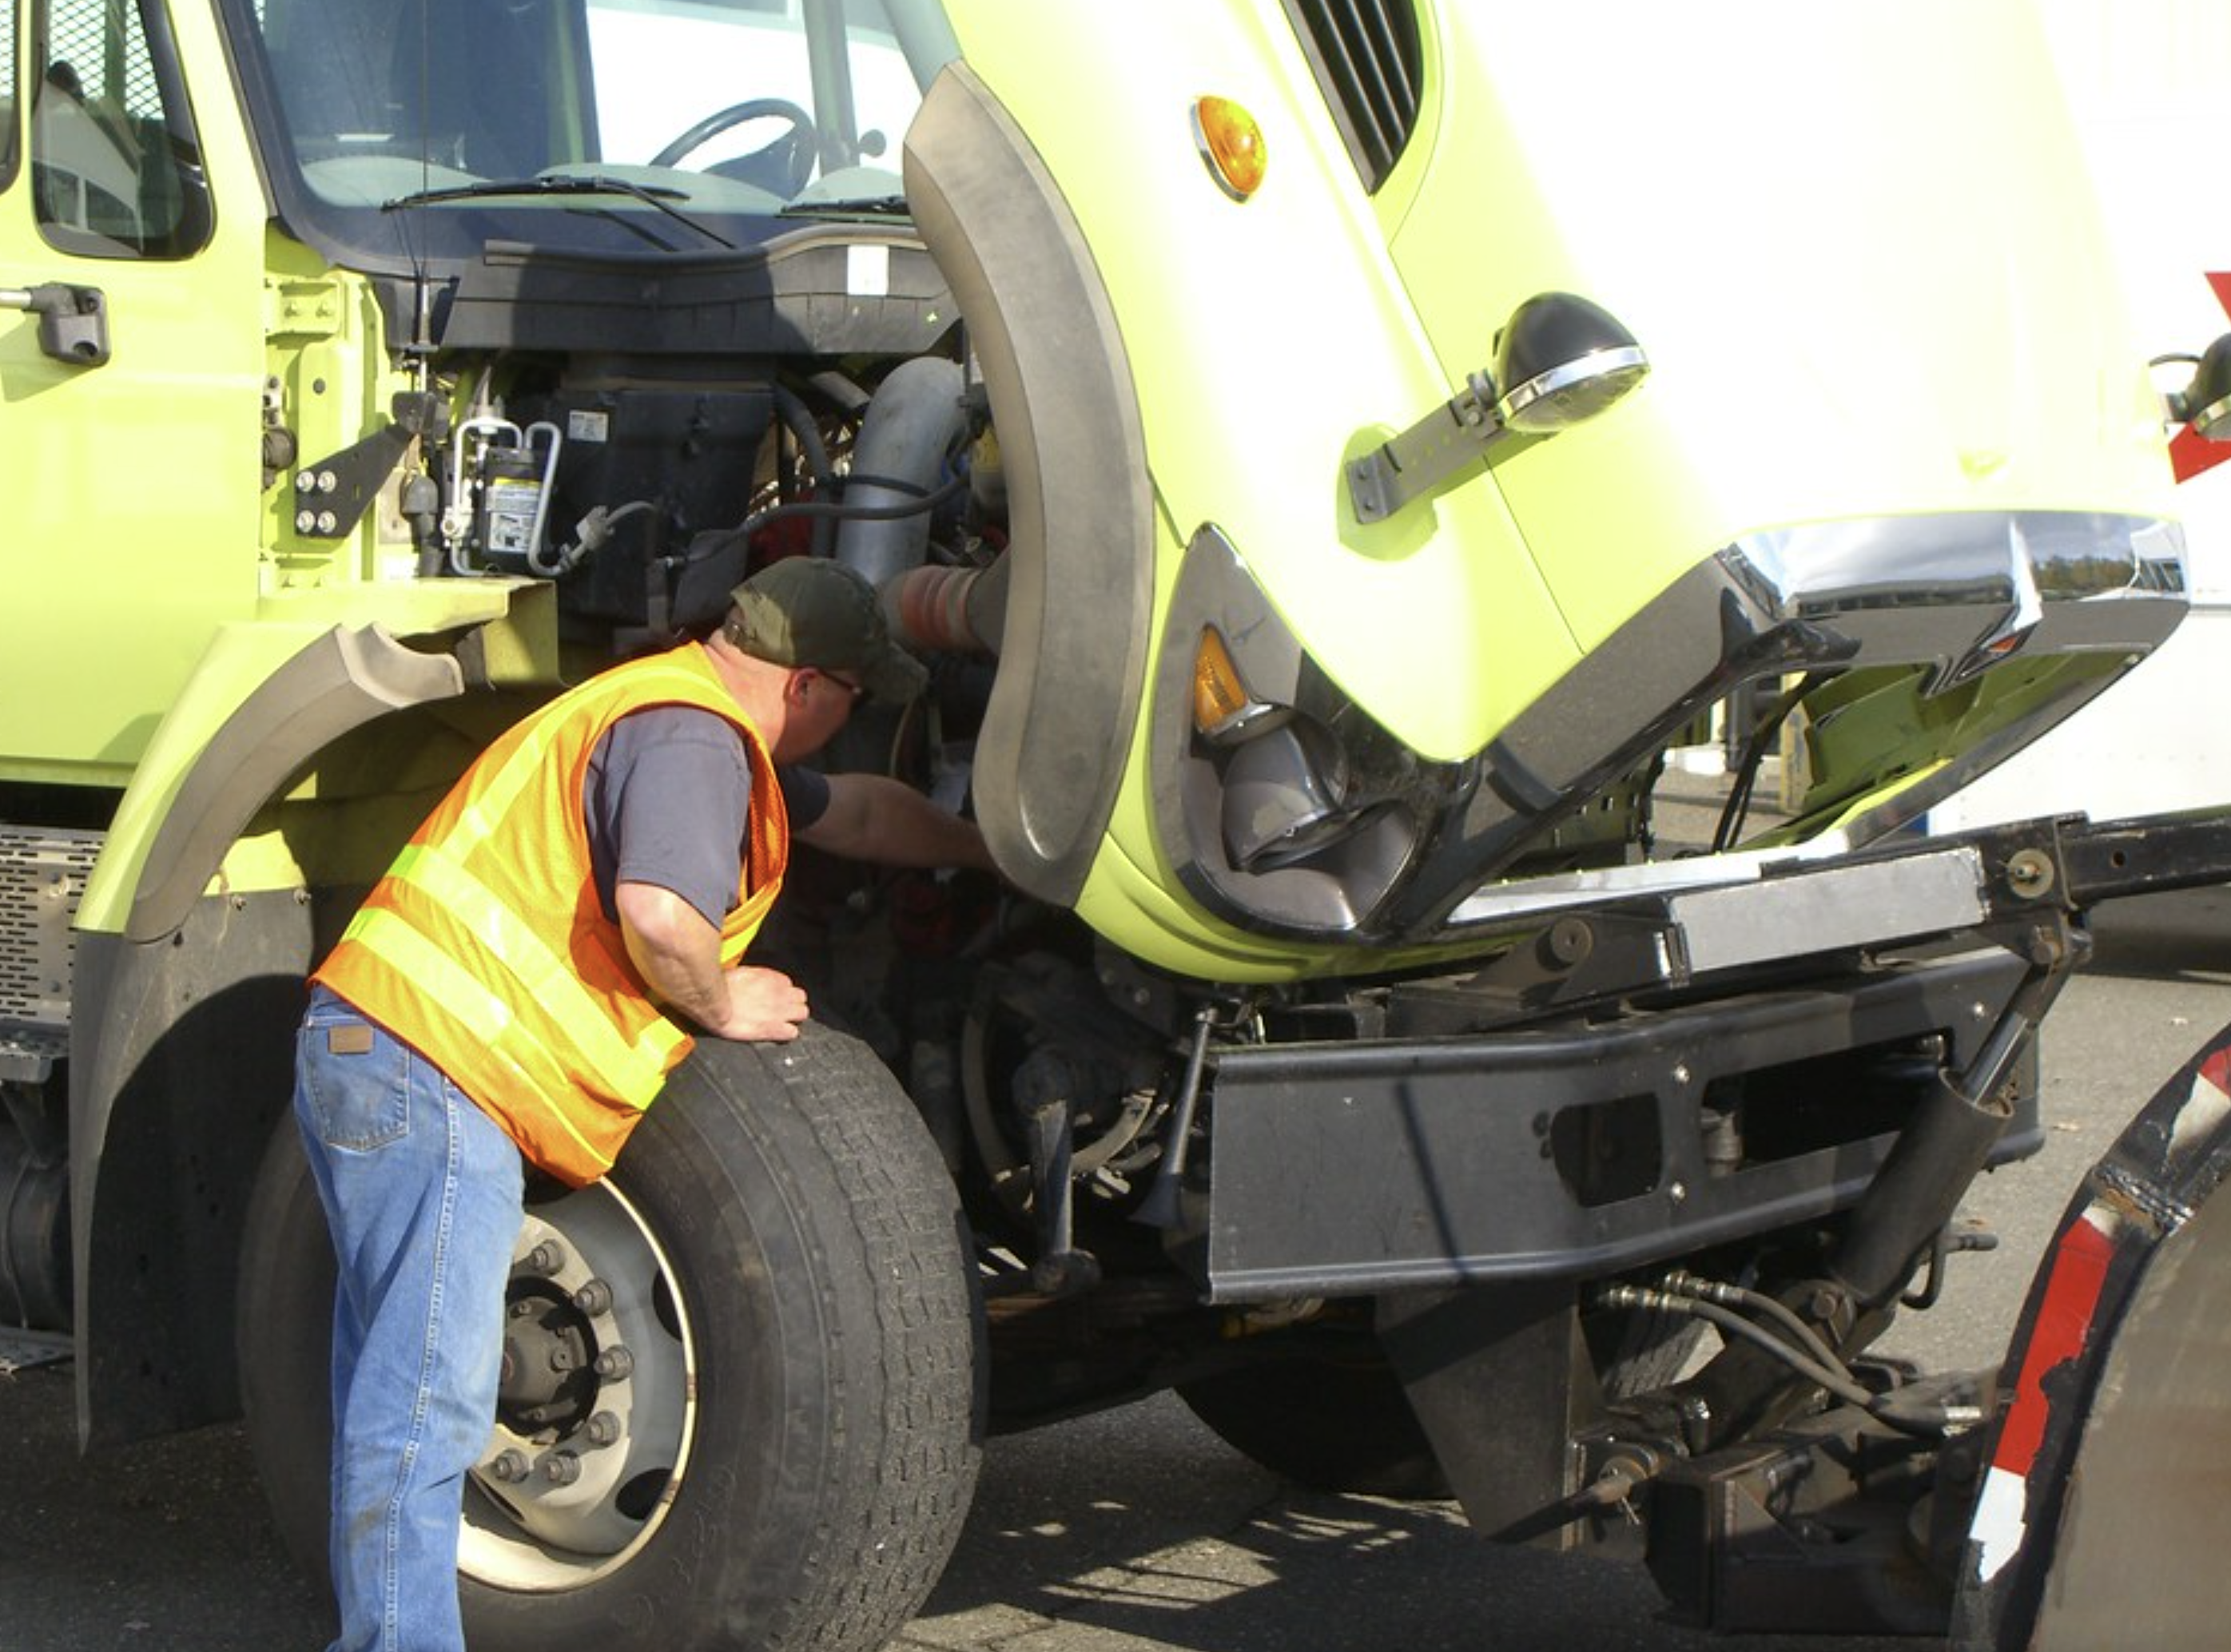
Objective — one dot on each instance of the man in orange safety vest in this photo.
(516, 989)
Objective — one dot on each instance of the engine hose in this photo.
(958, 611)
(799, 420)
(1682, 1283)
(1836, 1381)
(918, 416)
(713, 544)
(593, 533)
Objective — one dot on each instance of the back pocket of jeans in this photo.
(356, 1084)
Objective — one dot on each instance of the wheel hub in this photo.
(595, 1400)
(548, 1352)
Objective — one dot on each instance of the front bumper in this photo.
(1585, 1150)
(1647, 1078)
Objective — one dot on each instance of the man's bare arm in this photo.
(873, 818)
(678, 953)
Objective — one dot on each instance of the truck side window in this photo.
(115, 166)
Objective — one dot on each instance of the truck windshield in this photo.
(420, 129)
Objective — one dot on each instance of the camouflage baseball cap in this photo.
(810, 611)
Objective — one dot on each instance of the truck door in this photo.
(130, 375)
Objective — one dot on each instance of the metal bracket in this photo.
(1459, 433)
(332, 494)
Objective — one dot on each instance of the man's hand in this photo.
(763, 1004)
(678, 952)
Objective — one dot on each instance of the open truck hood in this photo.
(1895, 442)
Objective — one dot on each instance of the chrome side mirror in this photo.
(1560, 359)
(2205, 402)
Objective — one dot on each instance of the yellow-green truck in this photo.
(1357, 468)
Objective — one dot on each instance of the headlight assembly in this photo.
(1283, 804)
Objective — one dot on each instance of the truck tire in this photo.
(1345, 1425)
(789, 1462)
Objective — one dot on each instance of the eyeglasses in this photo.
(857, 691)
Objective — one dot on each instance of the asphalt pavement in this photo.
(1136, 1530)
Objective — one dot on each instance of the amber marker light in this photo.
(1231, 145)
(1219, 697)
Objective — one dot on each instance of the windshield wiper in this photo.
(865, 206)
(563, 183)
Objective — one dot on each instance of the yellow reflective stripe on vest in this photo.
(487, 1017)
(636, 1069)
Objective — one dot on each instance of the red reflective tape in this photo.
(2072, 1296)
(2191, 453)
(2216, 1069)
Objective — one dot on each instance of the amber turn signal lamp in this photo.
(1231, 145)
(1219, 697)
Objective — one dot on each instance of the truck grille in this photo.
(43, 875)
(1368, 65)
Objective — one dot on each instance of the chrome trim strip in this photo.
(1912, 589)
(1737, 868)
(1597, 363)
(1832, 908)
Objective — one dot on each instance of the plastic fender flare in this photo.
(342, 679)
(1057, 738)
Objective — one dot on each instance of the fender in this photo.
(184, 1001)
(2101, 1519)
(1073, 647)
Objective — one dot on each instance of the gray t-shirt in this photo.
(667, 796)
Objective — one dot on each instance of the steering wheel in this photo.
(794, 153)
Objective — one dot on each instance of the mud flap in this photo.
(2104, 1514)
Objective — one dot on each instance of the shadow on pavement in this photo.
(165, 1546)
(1132, 1531)
(1140, 1532)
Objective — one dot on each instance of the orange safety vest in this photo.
(486, 948)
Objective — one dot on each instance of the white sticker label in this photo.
(2002, 1521)
(587, 424)
(867, 272)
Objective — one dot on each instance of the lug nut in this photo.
(509, 1466)
(602, 1430)
(547, 1257)
(594, 1298)
(615, 1364)
(561, 1467)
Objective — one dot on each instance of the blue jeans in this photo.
(422, 1190)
